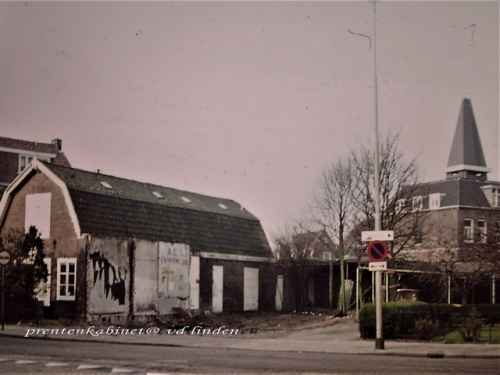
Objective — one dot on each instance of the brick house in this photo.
(120, 249)
(17, 154)
(463, 210)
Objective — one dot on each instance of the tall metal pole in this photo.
(449, 290)
(493, 291)
(379, 340)
(330, 280)
(3, 297)
(357, 292)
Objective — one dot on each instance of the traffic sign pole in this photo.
(4, 260)
(3, 297)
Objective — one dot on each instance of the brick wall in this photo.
(8, 166)
(62, 242)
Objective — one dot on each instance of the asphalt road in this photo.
(25, 356)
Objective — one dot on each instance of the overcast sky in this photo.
(247, 101)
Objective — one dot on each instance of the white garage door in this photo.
(279, 293)
(194, 276)
(250, 289)
(217, 288)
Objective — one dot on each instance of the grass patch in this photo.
(455, 337)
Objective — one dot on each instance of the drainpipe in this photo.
(131, 266)
(87, 238)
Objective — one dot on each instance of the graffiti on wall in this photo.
(113, 277)
(173, 271)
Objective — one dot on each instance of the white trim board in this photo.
(241, 258)
(36, 165)
(461, 167)
(27, 152)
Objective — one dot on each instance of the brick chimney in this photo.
(58, 143)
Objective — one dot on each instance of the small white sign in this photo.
(377, 235)
(377, 266)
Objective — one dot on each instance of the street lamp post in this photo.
(379, 340)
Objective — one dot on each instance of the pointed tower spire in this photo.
(466, 155)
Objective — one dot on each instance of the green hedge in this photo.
(420, 320)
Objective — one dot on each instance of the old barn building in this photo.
(121, 249)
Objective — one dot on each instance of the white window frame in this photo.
(33, 215)
(66, 262)
(471, 239)
(483, 234)
(434, 201)
(417, 203)
(23, 162)
(400, 205)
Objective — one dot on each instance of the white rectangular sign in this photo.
(377, 266)
(377, 235)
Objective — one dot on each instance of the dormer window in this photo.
(158, 195)
(417, 203)
(186, 199)
(223, 206)
(400, 205)
(434, 201)
(106, 185)
(24, 162)
(496, 197)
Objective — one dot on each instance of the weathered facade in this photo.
(120, 249)
(462, 212)
(17, 154)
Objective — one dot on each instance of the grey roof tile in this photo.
(466, 148)
(129, 209)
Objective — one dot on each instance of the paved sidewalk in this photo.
(341, 336)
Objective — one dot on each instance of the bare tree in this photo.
(474, 263)
(333, 211)
(294, 246)
(398, 183)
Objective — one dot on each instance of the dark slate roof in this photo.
(458, 191)
(466, 148)
(129, 209)
(61, 159)
(49, 148)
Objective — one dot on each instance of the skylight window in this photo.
(106, 185)
(223, 206)
(158, 195)
(186, 199)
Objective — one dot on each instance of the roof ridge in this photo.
(51, 165)
(26, 140)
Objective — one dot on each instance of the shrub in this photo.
(400, 319)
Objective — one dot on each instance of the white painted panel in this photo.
(194, 277)
(173, 276)
(250, 289)
(38, 213)
(217, 288)
(42, 291)
(279, 293)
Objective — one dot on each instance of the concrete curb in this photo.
(431, 354)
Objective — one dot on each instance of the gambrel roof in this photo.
(110, 206)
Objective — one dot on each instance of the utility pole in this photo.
(379, 340)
